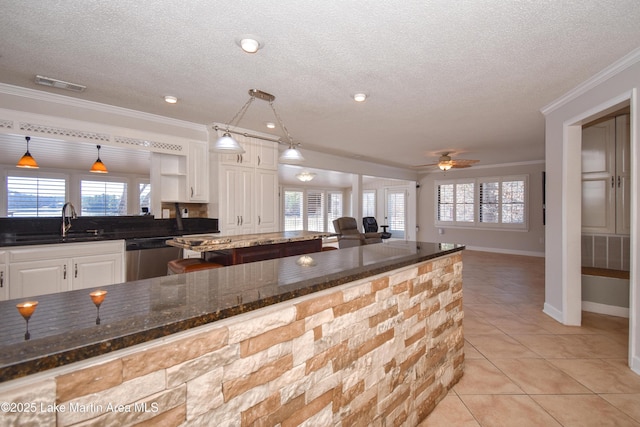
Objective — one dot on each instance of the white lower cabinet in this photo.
(4, 273)
(46, 269)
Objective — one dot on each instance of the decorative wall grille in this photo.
(50, 130)
(6, 124)
(146, 143)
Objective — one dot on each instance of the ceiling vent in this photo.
(59, 84)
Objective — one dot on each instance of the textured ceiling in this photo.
(466, 76)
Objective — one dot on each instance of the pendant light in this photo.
(227, 144)
(98, 166)
(27, 161)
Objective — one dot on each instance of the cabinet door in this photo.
(236, 194)
(198, 172)
(4, 279)
(245, 159)
(38, 277)
(267, 201)
(266, 155)
(598, 181)
(96, 270)
(623, 172)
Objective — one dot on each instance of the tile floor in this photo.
(522, 368)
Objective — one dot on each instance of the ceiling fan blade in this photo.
(463, 163)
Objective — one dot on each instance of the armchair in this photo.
(349, 235)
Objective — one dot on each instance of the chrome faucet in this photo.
(66, 221)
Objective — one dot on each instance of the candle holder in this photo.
(97, 297)
(26, 310)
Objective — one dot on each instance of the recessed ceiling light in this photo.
(249, 43)
(360, 97)
(171, 99)
(271, 125)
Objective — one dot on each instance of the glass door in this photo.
(396, 214)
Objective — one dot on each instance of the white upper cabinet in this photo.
(198, 173)
(605, 177)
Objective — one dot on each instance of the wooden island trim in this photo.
(239, 249)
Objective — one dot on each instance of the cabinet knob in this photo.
(1, 279)
(64, 272)
(76, 270)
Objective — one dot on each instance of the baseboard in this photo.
(635, 364)
(610, 310)
(506, 251)
(551, 311)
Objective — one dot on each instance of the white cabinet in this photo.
(198, 173)
(266, 201)
(236, 195)
(4, 274)
(45, 269)
(182, 178)
(605, 177)
(248, 188)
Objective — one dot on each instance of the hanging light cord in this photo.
(286, 131)
(240, 114)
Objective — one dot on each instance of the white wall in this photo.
(530, 242)
(564, 118)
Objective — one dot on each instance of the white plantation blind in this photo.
(144, 191)
(35, 196)
(396, 215)
(445, 202)
(293, 210)
(315, 211)
(369, 203)
(465, 202)
(335, 209)
(101, 198)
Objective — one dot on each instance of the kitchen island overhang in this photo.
(424, 279)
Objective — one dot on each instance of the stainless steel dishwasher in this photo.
(148, 257)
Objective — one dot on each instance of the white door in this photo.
(396, 213)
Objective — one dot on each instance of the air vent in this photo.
(59, 84)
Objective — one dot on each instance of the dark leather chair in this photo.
(349, 234)
(371, 226)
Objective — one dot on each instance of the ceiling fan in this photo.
(445, 162)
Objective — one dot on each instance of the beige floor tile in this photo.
(599, 375)
(482, 377)
(627, 403)
(583, 411)
(572, 346)
(470, 352)
(537, 376)
(478, 326)
(450, 412)
(500, 347)
(518, 325)
(508, 411)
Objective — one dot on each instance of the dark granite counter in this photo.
(39, 231)
(205, 243)
(63, 328)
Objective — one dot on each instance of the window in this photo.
(369, 203)
(144, 194)
(456, 202)
(101, 198)
(315, 211)
(293, 210)
(335, 209)
(500, 202)
(35, 196)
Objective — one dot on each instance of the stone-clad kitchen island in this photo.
(362, 336)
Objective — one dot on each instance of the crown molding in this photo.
(40, 95)
(620, 65)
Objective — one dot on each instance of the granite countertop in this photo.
(63, 327)
(205, 243)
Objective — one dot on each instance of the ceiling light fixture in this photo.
(27, 161)
(170, 99)
(305, 176)
(445, 163)
(360, 97)
(226, 143)
(249, 43)
(98, 166)
(59, 84)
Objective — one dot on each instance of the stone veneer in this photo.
(376, 352)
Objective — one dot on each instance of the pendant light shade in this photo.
(226, 144)
(291, 156)
(27, 161)
(98, 166)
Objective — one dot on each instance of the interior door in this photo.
(396, 213)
